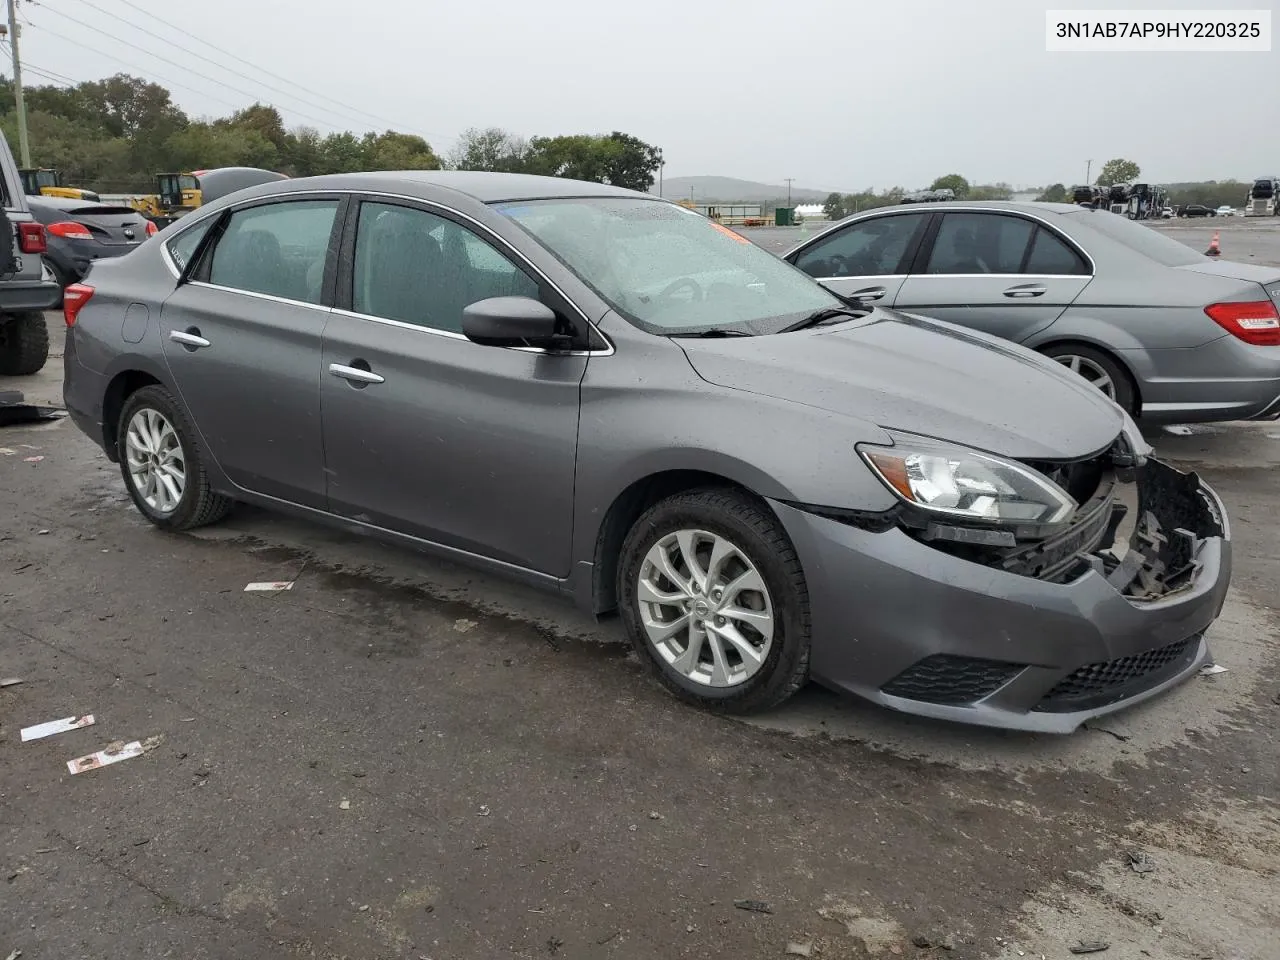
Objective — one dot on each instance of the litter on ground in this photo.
(10, 681)
(269, 586)
(104, 758)
(1211, 670)
(42, 730)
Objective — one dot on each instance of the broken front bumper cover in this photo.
(1041, 647)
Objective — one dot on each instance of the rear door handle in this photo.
(1027, 290)
(188, 338)
(354, 374)
(868, 293)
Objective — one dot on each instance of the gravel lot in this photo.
(399, 758)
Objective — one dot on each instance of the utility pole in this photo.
(1087, 171)
(23, 146)
(661, 167)
(789, 181)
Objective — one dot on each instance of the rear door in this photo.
(242, 338)
(1001, 273)
(866, 260)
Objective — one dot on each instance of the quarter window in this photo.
(980, 243)
(1051, 255)
(869, 248)
(277, 249)
(415, 267)
(183, 246)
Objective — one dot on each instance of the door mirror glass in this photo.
(509, 322)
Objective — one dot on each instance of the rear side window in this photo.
(1050, 255)
(979, 243)
(278, 249)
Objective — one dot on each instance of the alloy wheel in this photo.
(156, 462)
(1091, 371)
(706, 608)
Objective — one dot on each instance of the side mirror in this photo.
(508, 322)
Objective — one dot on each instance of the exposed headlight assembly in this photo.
(962, 484)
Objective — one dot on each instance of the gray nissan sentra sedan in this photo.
(604, 394)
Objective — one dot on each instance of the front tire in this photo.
(161, 463)
(714, 601)
(24, 344)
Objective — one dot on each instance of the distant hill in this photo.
(730, 190)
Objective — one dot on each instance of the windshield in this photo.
(188, 182)
(667, 269)
(1155, 246)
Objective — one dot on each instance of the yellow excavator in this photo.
(47, 182)
(177, 194)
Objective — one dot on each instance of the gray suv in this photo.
(27, 287)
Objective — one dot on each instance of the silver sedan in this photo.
(1168, 333)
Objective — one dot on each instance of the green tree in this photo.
(303, 153)
(834, 206)
(264, 120)
(398, 151)
(203, 146)
(1118, 170)
(341, 153)
(953, 182)
(618, 158)
(990, 191)
(630, 162)
(1054, 193)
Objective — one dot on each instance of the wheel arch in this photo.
(122, 385)
(627, 508)
(1112, 354)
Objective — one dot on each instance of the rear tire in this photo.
(24, 344)
(732, 634)
(162, 465)
(1098, 367)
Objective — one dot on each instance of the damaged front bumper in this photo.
(1041, 636)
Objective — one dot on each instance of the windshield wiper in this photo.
(825, 315)
(715, 332)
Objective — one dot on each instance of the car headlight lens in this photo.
(966, 484)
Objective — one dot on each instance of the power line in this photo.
(180, 66)
(126, 63)
(352, 114)
(250, 63)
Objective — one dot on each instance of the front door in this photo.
(867, 260)
(242, 339)
(427, 433)
(1005, 275)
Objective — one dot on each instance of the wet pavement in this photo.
(402, 758)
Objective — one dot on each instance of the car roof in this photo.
(482, 186)
(1013, 206)
(65, 203)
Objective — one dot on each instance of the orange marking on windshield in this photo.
(729, 233)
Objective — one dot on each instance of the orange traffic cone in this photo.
(1214, 250)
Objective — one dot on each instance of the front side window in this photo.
(869, 248)
(278, 249)
(667, 269)
(969, 243)
(415, 267)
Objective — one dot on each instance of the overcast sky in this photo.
(838, 94)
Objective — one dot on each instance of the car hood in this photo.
(903, 372)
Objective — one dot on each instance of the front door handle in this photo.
(1027, 290)
(868, 294)
(355, 374)
(188, 338)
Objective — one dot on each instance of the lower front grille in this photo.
(950, 680)
(1098, 684)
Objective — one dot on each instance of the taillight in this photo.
(31, 238)
(73, 300)
(1256, 322)
(70, 230)
(152, 229)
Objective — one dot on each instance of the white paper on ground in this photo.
(269, 586)
(103, 758)
(41, 730)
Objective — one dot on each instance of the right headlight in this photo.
(965, 484)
